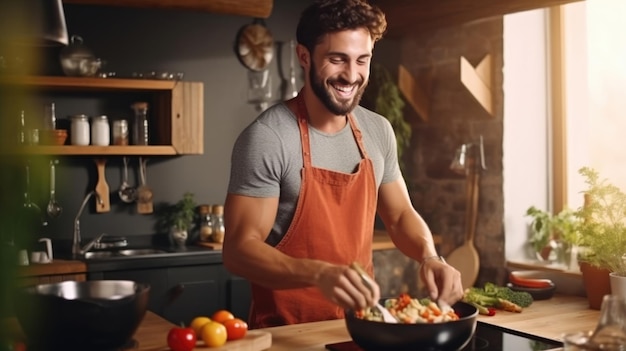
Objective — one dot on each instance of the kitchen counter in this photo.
(547, 318)
(55, 267)
(55, 271)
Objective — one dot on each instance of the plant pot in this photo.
(178, 237)
(597, 284)
(618, 284)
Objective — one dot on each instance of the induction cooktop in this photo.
(487, 337)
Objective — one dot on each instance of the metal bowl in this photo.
(91, 315)
(371, 335)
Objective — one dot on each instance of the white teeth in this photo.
(344, 89)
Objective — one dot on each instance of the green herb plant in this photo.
(561, 228)
(179, 216)
(603, 224)
(383, 96)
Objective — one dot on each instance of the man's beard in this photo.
(338, 108)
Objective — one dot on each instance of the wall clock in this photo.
(255, 46)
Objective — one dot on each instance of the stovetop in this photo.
(487, 337)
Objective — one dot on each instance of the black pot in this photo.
(92, 315)
(378, 336)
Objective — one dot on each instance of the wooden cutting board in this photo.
(211, 245)
(255, 340)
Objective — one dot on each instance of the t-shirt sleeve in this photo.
(390, 154)
(255, 162)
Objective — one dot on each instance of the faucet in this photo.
(77, 250)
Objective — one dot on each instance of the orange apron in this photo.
(333, 222)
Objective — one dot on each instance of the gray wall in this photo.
(201, 46)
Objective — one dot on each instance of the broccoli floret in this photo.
(495, 296)
(478, 296)
(425, 301)
(520, 298)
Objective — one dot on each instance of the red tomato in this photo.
(181, 339)
(235, 328)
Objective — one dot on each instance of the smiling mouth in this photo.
(344, 91)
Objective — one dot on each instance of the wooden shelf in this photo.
(250, 8)
(88, 83)
(98, 150)
(177, 112)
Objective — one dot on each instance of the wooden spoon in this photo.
(465, 258)
(102, 188)
(144, 193)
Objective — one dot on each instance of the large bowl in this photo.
(377, 336)
(91, 315)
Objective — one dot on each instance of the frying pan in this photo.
(376, 336)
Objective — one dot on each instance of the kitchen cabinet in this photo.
(181, 293)
(176, 111)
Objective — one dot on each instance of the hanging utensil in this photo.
(53, 209)
(126, 192)
(144, 193)
(465, 258)
(29, 205)
(291, 90)
(102, 188)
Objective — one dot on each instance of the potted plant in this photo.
(603, 228)
(383, 96)
(554, 236)
(178, 218)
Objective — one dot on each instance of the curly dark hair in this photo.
(328, 16)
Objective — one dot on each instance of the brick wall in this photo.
(455, 117)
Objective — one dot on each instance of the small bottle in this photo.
(218, 224)
(140, 124)
(80, 130)
(206, 222)
(100, 131)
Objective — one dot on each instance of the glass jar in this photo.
(140, 124)
(206, 222)
(218, 224)
(120, 132)
(79, 130)
(49, 117)
(100, 132)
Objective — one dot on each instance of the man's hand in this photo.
(343, 286)
(442, 281)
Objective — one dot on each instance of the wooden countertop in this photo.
(52, 268)
(546, 318)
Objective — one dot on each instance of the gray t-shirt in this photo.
(267, 157)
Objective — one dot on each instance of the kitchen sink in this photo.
(136, 252)
(98, 255)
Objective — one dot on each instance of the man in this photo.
(308, 176)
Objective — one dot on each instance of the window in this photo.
(564, 78)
